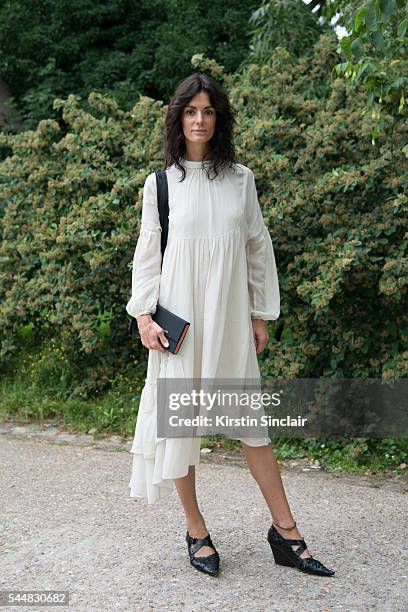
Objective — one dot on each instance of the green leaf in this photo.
(362, 69)
(345, 45)
(398, 83)
(402, 27)
(371, 19)
(378, 39)
(359, 18)
(389, 8)
(357, 48)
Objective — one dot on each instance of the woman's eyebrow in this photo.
(192, 106)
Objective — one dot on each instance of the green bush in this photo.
(335, 204)
(119, 48)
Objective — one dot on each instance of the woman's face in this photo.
(198, 121)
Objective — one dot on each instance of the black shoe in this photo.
(208, 565)
(285, 555)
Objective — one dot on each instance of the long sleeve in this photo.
(263, 285)
(146, 271)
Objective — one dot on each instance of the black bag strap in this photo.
(163, 205)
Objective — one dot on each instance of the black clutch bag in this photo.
(176, 327)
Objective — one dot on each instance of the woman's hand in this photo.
(150, 332)
(261, 335)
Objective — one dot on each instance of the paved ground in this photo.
(67, 522)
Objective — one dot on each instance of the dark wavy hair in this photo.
(222, 152)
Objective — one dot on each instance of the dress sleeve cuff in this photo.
(135, 308)
(265, 316)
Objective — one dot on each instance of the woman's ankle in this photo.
(196, 526)
(289, 533)
(287, 528)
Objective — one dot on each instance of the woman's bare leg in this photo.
(264, 468)
(195, 521)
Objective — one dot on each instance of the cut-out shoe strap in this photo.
(200, 542)
(301, 544)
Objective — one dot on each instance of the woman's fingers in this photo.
(261, 335)
(162, 337)
(260, 346)
(155, 344)
(263, 342)
(152, 336)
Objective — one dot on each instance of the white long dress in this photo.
(218, 271)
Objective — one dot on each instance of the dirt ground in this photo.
(67, 523)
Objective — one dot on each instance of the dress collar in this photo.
(195, 164)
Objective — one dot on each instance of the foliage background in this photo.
(335, 204)
(51, 48)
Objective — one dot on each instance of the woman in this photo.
(219, 274)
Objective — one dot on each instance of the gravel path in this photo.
(67, 523)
